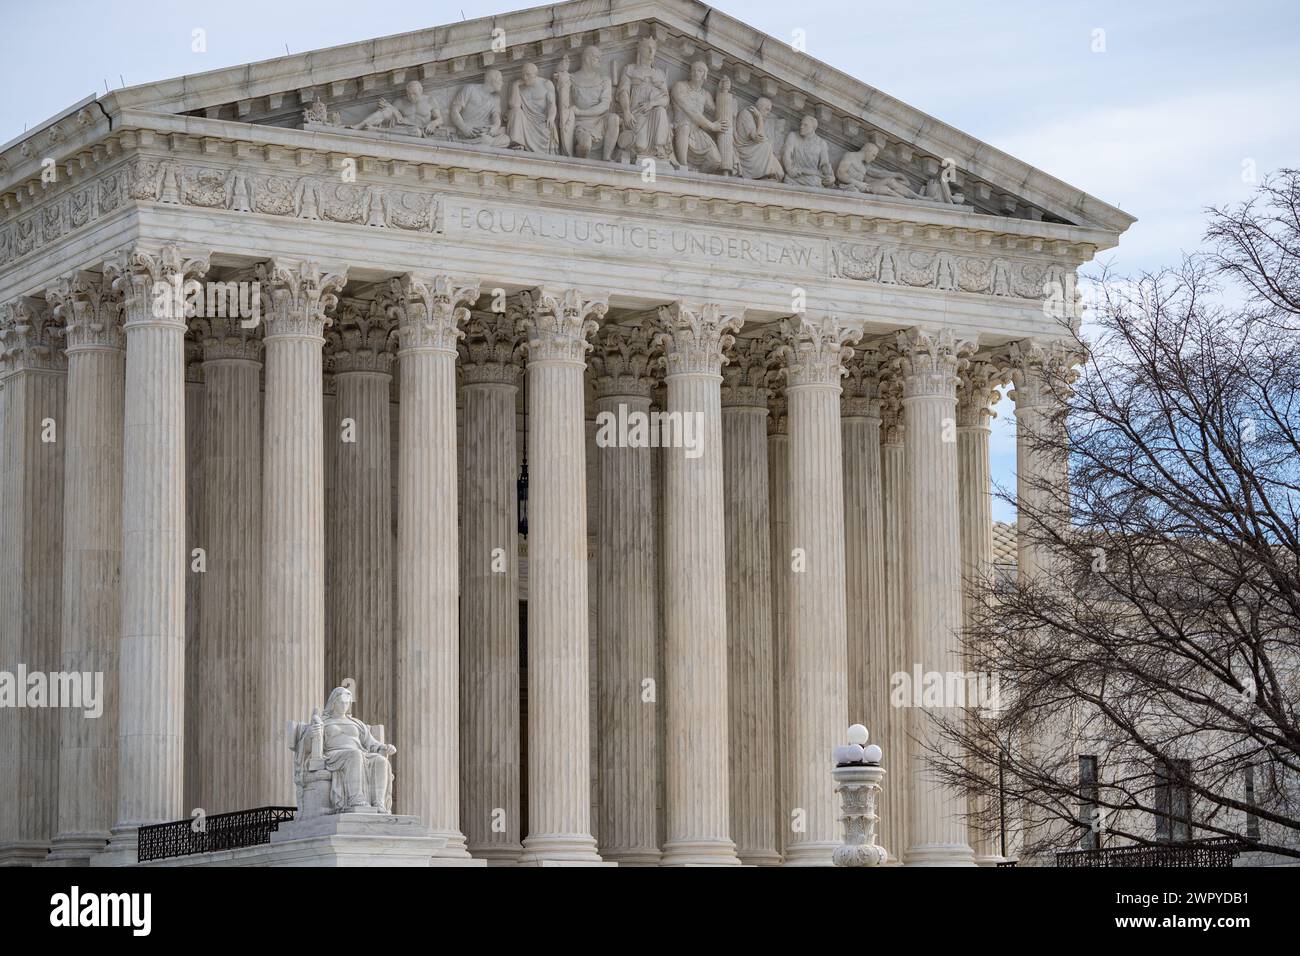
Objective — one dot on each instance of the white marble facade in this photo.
(463, 245)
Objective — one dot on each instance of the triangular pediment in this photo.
(916, 157)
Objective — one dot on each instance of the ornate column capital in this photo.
(29, 337)
(429, 311)
(296, 297)
(89, 310)
(1041, 375)
(226, 338)
(891, 407)
(745, 377)
(694, 336)
(778, 407)
(976, 394)
(622, 361)
(814, 349)
(929, 361)
(490, 350)
(557, 323)
(360, 339)
(863, 371)
(154, 286)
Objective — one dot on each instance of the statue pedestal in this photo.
(337, 839)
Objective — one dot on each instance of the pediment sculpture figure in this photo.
(587, 119)
(755, 151)
(806, 158)
(414, 114)
(340, 765)
(693, 131)
(476, 112)
(856, 173)
(532, 113)
(643, 101)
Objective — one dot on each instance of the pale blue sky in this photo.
(1185, 95)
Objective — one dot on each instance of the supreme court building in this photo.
(344, 365)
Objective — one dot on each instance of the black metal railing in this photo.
(1007, 863)
(220, 831)
(1215, 853)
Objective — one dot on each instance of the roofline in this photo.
(690, 17)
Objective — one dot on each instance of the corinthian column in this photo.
(489, 632)
(559, 759)
(230, 655)
(895, 800)
(429, 314)
(868, 667)
(778, 484)
(752, 721)
(32, 440)
(929, 364)
(296, 298)
(695, 631)
(91, 315)
(360, 571)
(816, 687)
(975, 398)
(626, 605)
(151, 662)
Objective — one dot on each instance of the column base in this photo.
(810, 854)
(23, 853)
(939, 854)
(122, 850)
(991, 859)
(497, 854)
(631, 856)
(76, 849)
(561, 850)
(759, 857)
(699, 853)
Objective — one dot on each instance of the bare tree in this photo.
(1162, 638)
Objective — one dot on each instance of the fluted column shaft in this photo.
(489, 683)
(778, 481)
(751, 716)
(154, 560)
(293, 510)
(33, 435)
(817, 657)
(361, 559)
(868, 686)
(929, 376)
(975, 514)
(430, 313)
(626, 641)
(230, 654)
(559, 756)
(92, 557)
(695, 636)
(627, 605)
(895, 800)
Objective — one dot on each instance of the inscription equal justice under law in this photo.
(594, 234)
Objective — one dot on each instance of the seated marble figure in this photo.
(340, 764)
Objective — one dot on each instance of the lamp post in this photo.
(858, 777)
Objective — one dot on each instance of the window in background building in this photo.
(1089, 810)
(1252, 821)
(1173, 801)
